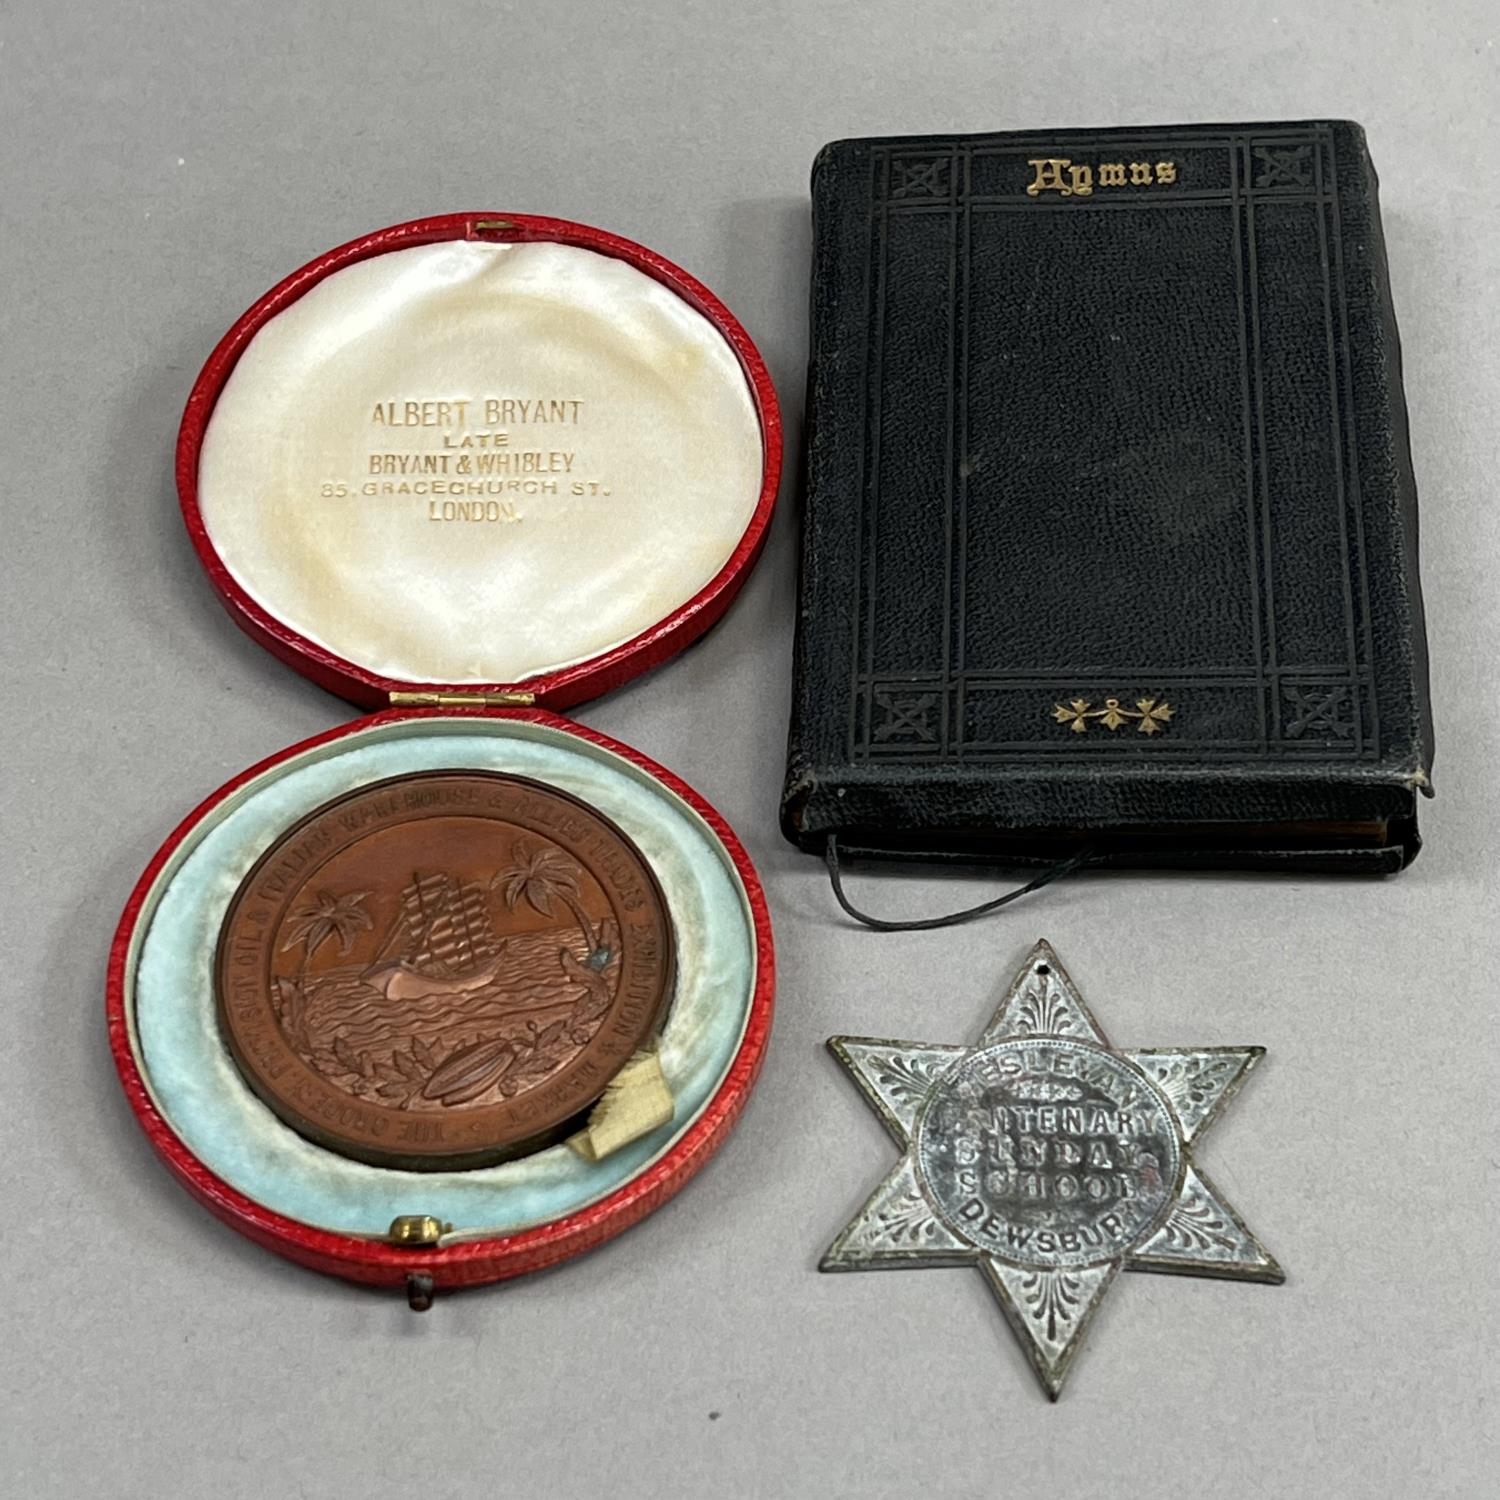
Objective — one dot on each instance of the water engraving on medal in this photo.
(442, 968)
(445, 1006)
(1047, 1153)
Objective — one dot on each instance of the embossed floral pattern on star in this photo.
(1050, 1160)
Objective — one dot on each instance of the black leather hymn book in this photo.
(1110, 521)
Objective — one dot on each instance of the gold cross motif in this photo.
(1149, 715)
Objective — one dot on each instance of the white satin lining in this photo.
(488, 567)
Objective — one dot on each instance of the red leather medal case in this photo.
(465, 472)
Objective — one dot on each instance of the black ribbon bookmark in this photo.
(968, 914)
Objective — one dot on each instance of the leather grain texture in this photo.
(1110, 525)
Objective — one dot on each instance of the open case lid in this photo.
(511, 458)
(469, 470)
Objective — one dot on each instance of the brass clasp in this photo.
(416, 1229)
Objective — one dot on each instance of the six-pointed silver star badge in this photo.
(1050, 1160)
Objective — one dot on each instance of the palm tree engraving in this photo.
(343, 917)
(541, 876)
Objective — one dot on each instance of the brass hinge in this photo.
(508, 698)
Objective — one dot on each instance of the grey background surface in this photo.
(160, 166)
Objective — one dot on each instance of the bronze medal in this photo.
(442, 970)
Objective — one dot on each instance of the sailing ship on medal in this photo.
(440, 965)
(444, 938)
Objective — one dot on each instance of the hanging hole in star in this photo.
(1043, 969)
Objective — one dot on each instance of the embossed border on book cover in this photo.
(1285, 707)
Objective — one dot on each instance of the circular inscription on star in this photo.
(1049, 1153)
